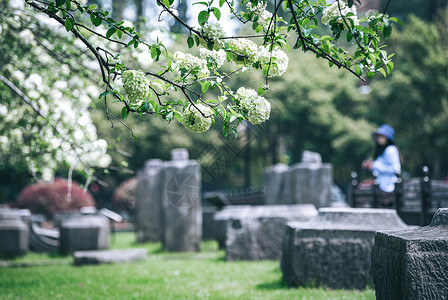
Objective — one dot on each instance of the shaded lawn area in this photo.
(162, 275)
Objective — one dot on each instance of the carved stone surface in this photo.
(84, 233)
(278, 187)
(334, 248)
(108, 256)
(149, 202)
(255, 233)
(412, 264)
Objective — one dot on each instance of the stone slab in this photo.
(278, 185)
(255, 233)
(412, 264)
(14, 236)
(334, 248)
(84, 233)
(108, 256)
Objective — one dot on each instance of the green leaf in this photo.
(370, 74)
(68, 4)
(178, 116)
(68, 24)
(382, 72)
(221, 2)
(203, 17)
(358, 70)
(98, 21)
(110, 32)
(260, 91)
(124, 113)
(119, 33)
(59, 2)
(217, 13)
(190, 42)
(104, 94)
(205, 86)
(93, 6)
(225, 131)
(166, 3)
(235, 132)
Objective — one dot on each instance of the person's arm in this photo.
(390, 163)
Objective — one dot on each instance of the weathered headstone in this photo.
(255, 233)
(412, 264)
(223, 216)
(278, 187)
(149, 202)
(14, 232)
(311, 183)
(84, 233)
(108, 256)
(179, 154)
(208, 224)
(334, 248)
(182, 208)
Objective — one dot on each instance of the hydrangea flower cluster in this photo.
(218, 56)
(214, 32)
(264, 16)
(277, 58)
(190, 62)
(246, 48)
(257, 107)
(199, 118)
(332, 12)
(135, 84)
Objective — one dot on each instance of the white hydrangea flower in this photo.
(190, 62)
(332, 11)
(196, 121)
(214, 31)
(135, 84)
(278, 59)
(257, 107)
(264, 16)
(246, 48)
(218, 56)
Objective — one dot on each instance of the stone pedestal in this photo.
(334, 248)
(14, 232)
(278, 187)
(255, 233)
(182, 208)
(149, 202)
(412, 264)
(84, 233)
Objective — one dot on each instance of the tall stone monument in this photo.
(149, 202)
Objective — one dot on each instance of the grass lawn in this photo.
(162, 275)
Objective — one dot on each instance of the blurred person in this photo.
(386, 165)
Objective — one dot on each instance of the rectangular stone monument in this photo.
(334, 248)
(278, 185)
(255, 233)
(412, 264)
(14, 232)
(84, 233)
(149, 202)
(182, 207)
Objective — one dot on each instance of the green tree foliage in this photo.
(415, 99)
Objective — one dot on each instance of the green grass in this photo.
(204, 275)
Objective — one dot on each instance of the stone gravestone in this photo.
(278, 187)
(413, 263)
(334, 248)
(149, 202)
(255, 233)
(182, 208)
(90, 232)
(97, 257)
(225, 215)
(311, 181)
(14, 231)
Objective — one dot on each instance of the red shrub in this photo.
(125, 195)
(49, 198)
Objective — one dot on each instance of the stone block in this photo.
(311, 184)
(108, 256)
(84, 233)
(14, 232)
(223, 216)
(412, 264)
(255, 233)
(181, 205)
(149, 202)
(334, 248)
(278, 187)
